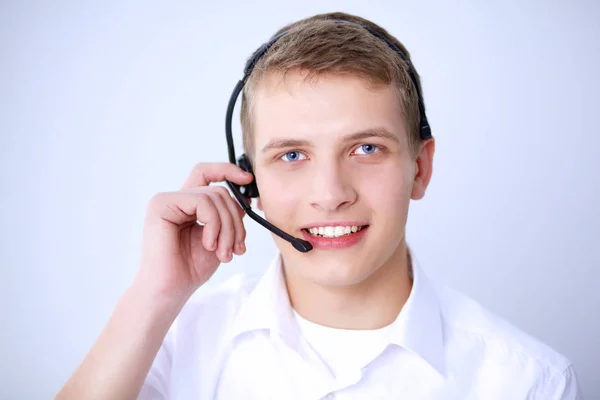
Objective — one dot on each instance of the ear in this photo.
(423, 169)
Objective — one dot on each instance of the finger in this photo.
(237, 214)
(204, 173)
(207, 213)
(227, 231)
(181, 209)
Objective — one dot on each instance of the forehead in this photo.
(323, 108)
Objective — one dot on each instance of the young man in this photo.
(331, 126)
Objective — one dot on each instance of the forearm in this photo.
(117, 364)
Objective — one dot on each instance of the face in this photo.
(333, 167)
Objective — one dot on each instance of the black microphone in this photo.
(299, 244)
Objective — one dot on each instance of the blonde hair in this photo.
(318, 46)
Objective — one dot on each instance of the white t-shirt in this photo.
(344, 351)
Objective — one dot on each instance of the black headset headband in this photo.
(243, 193)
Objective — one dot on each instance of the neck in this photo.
(370, 304)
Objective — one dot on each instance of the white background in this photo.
(103, 105)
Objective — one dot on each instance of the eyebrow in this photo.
(380, 132)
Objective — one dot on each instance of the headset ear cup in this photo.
(250, 190)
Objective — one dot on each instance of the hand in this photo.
(178, 254)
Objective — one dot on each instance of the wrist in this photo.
(155, 299)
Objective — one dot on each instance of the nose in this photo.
(331, 188)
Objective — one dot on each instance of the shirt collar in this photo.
(418, 327)
(268, 307)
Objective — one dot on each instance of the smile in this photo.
(334, 231)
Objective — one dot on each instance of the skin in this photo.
(310, 169)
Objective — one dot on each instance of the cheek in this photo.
(276, 193)
(388, 189)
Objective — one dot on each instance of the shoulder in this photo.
(470, 324)
(219, 302)
(211, 311)
(193, 341)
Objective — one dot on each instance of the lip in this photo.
(335, 243)
(334, 223)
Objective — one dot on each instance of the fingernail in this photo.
(242, 247)
(239, 248)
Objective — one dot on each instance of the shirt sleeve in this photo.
(566, 387)
(157, 382)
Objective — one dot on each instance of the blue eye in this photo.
(368, 148)
(292, 156)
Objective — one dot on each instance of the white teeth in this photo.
(334, 231)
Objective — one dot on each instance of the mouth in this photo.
(335, 236)
(334, 231)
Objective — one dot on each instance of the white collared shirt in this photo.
(242, 341)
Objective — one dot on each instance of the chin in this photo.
(335, 271)
(344, 279)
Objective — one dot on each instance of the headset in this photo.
(245, 192)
